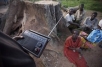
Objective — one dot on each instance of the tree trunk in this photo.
(13, 16)
(42, 17)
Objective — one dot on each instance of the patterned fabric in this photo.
(85, 43)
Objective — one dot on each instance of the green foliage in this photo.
(33, 0)
(89, 4)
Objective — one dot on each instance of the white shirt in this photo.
(100, 23)
(69, 18)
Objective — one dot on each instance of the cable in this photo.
(54, 27)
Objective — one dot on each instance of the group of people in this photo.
(76, 22)
(75, 19)
(16, 56)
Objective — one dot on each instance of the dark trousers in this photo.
(86, 29)
(72, 27)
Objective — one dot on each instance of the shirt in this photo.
(100, 23)
(79, 15)
(69, 18)
(90, 24)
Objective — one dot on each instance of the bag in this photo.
(95, 36)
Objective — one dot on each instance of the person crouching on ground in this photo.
(70, 21)
(72, 49)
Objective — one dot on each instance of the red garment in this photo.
(74, 56)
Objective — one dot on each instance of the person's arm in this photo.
(83, 14)
(85, 22)
(83, 34)
(73, 23)
(76, 15)
(76, 50)
(96, 24)
(78, 47)
(71, 48)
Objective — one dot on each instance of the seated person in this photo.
(72, 50)
(80, 13)
(70, 20)
(90, 23)
(100, 27)
(100, 23)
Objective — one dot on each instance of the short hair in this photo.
(76, 30)
(71, 10)
(95, 13)
(81, 4)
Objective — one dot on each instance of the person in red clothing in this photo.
(72, 49)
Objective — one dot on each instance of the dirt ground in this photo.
(92, 56)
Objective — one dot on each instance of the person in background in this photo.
(12, 54)
(80, 13)
(72, 49)
(100, 23)
(100, 27)
(70, 20)
(90, 23)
